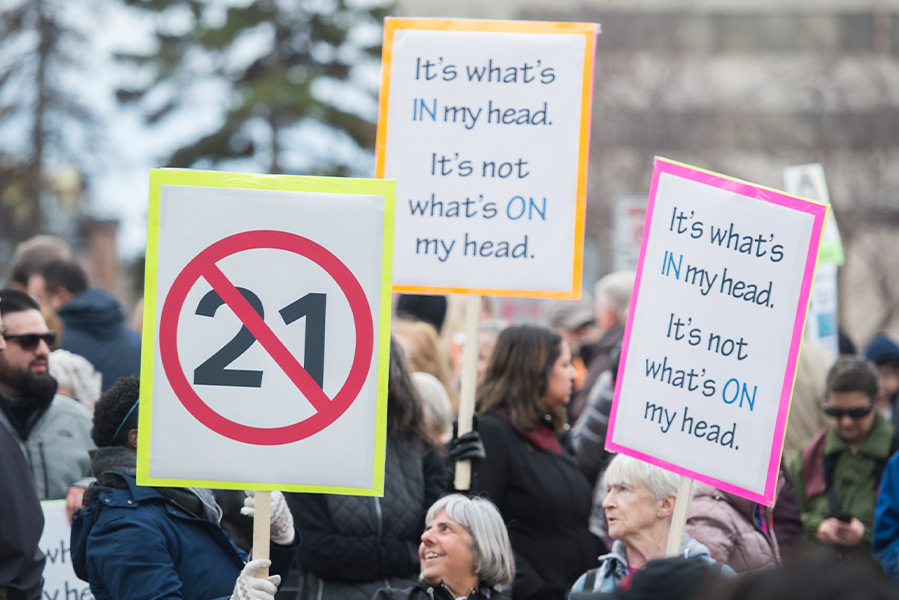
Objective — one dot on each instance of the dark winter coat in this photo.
(354, 545)
(95, 329)
(600, 362)
(545, 502)
(886, 522)
(425, 591)
(132, 543)
(21, 524)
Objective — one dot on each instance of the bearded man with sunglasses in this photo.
(52, 430)
(837, 474)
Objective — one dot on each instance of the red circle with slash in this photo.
(327, 409)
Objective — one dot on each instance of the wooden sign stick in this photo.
(679, 517)
(262, 528)
(469, 382)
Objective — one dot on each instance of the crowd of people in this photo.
(550, 514)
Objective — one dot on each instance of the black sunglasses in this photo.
(852, 413)
(29, 341)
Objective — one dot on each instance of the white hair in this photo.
(628, 471)
(494, 563)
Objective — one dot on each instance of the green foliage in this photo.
(273, 56)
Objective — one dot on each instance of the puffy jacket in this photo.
(588, 440)
(57, 446)
(95, 329)
(728, 526)
(354, 545)
(134, 544)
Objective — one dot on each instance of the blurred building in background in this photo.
(65, 214)
(744, 88)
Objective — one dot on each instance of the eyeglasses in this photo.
(852, 413)
(29, 341)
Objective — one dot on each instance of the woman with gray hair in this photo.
(639, 503)
(464, 552)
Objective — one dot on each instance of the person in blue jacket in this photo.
(134, 542)
(885, 544)
(94, 320)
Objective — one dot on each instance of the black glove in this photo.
(467, 446)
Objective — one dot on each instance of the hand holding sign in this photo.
(281, 520)
(254, 583)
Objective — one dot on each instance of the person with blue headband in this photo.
(132, 542)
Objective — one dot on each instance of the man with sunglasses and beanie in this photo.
(837, 474)
(52, 430)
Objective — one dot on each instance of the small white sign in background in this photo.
(60, 581)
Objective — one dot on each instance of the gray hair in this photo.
(494, 563)
(629, 471)
(614, 290)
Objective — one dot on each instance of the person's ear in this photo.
(666, 506)
(132, 439)
(59, 298)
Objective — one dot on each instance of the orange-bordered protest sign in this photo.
(485, 125)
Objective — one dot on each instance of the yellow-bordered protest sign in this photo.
(266, 332)
(485, 125)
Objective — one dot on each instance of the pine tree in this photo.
(276, 59)
(40, 115)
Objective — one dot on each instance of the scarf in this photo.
(110, 464)
(541, 436)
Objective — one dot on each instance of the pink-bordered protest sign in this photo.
(714, 328)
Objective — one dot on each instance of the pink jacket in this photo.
(727, 525)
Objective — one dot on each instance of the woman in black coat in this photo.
(543, 498)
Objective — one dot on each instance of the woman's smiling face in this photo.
(446, 555)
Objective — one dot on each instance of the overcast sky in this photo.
(119, 184)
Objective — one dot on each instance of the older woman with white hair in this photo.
(465, 553)
(639, 503)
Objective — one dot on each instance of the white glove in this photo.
(282, 532)
(250, 587)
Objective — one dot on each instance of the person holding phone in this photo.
(837, 474)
